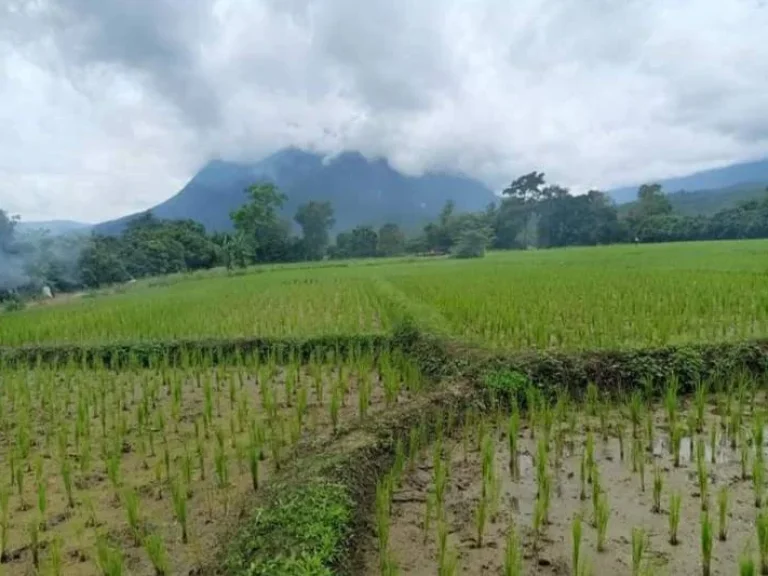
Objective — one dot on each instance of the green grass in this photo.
(574, 298)
(302, 533)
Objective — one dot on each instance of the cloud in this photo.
(108, 107)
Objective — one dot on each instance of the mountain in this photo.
(54, 227)
(362, 191)
(735, 176)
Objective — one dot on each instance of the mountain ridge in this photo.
(742, 174)
(362, 191)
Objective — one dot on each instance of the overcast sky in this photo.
(109, 106)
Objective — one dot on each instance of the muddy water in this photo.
(630, 507)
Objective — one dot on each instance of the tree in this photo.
(651, 202)
(527, 187)
(471, 243)
(360, 242)
(258, 219)
(439, 236)
(316, 220)
(100, 262)
(391, 240)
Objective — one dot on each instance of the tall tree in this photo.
(360, 242)
(391, 240)
(258, 220)
(316, 220)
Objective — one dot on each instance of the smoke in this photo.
(12, 272)
(32, 259)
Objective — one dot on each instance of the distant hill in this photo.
(55, 227)
(733, 179)
(361, 191)
(708, 202)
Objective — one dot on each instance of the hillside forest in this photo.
(530, 214)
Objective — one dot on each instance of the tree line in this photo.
(529, 214)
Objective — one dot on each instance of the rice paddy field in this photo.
(147, 466)
(580, 298)
(593, 486)
(142, 469)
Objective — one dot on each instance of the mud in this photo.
(415, 552)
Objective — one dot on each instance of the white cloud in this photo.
(108, 107)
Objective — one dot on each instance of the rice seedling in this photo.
(743, 455)
(429, 505)
(42, 501)
(635, 411)
(676, 440)
(108, 559)
(761, 523)
(583, 478)
(4, 521)
(383, 498)
(706, 544)
(481, 517)
(658, 484)
(671, 403)
(722, 512)
(221, 463)
(538, 524)
(649, 430)
(602, 514)
(179, 495)
(513, 554)
(447, 558)
(512, 432)
(595, 493)
(702, 475)
(34, 543)
(758, 481)
(700, 402)
(674, 517)
(620, 431)
(590, 452)
(576, 533)
(131, 504)
(66, 478)
(747, 565)
(157, 553)
(56, 561)
(639, 543)
(591, 399)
